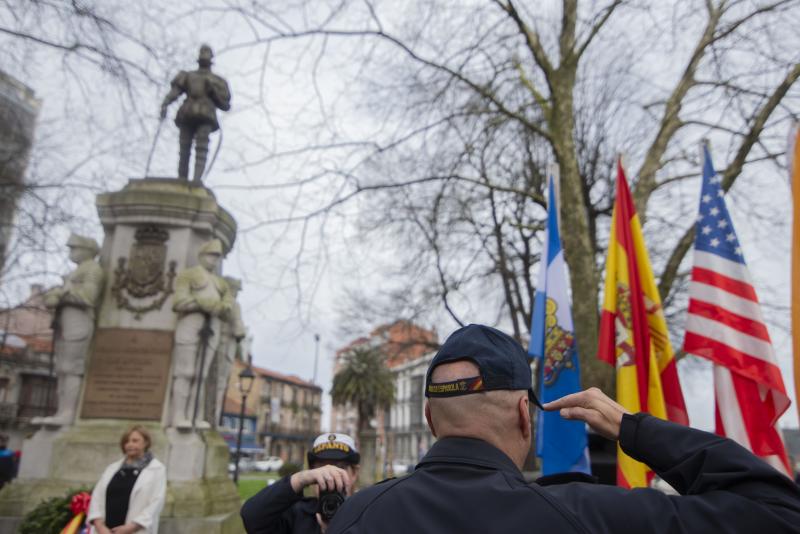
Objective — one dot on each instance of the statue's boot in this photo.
(220, 399)
(201, 423)
(181, 392)
(185, 144)
(200, 153)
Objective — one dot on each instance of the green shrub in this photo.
(49, 516)
(289, 469)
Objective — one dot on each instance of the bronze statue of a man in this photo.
(197, 116)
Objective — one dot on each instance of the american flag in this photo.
(725, 325)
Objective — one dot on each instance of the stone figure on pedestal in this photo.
(233, 332)
(74, 305)
(197, 116)
(203, 301)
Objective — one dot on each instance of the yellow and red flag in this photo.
(633, 331)
(79, 505)
(794, 166)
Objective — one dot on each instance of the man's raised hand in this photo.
(594, 407)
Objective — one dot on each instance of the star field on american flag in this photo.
(724, 323)
(715, 232)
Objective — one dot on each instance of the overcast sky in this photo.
(286, 96)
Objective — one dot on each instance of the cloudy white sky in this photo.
(287, 95)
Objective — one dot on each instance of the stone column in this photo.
(154, 228)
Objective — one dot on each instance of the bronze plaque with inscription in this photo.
(128, 374)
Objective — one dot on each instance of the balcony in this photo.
(8, 411)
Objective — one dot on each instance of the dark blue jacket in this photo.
(466, 485)
(277, 509)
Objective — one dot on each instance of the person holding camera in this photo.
(281, 508)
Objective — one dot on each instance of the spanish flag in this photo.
(633, 331)
(794, 167)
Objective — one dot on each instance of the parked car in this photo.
(245, 465)
(270, 463)
(400, 468)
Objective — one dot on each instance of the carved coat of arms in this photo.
(145, 275)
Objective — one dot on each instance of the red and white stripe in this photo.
(725, 325)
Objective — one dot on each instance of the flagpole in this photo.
(794, 177)
(554, 172)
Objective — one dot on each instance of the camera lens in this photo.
(329, 503)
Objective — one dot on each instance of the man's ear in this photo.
(524, 416)
(429, 419)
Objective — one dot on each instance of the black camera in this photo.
(329, 503)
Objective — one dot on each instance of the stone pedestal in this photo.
(153, 228)
(189, 215)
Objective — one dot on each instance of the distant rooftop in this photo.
(285, 378)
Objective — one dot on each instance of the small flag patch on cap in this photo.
(462, 386)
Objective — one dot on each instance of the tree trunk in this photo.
(575, 234)
(367, 476)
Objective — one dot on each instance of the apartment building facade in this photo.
(27, 379)
(282, 415)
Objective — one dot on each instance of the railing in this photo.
(8, 411)
(29, 410)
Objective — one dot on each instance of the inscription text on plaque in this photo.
(127, 374)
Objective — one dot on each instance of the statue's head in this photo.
(82, 248)
(210, 255)
(205, 57)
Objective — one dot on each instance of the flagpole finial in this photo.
(552, 170)
(705, 147)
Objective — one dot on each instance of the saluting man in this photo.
(479, 408)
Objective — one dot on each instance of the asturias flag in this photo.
(633, 331)
(561, 444)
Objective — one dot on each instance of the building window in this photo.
(3, 389)
(249, 424)
(37, 396)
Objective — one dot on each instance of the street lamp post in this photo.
(316, 357)
(245, 384)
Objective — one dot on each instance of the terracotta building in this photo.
(282, 414)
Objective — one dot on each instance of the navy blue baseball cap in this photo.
(502, 362)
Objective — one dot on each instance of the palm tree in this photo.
(365, 382)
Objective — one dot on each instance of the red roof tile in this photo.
(286, 378)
